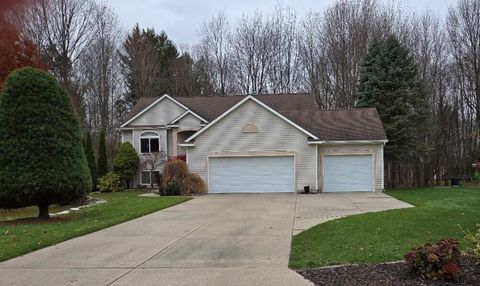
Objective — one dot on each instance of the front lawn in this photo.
(387, 236)
(18, 238)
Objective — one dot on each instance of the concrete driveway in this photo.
(211, 240)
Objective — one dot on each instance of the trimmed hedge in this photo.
(42, 160)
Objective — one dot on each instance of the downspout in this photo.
(317, 163)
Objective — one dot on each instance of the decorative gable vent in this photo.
(249, 128)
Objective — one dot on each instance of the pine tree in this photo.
(102, 155)
(389, 81)
(42, 161)
(146, 64)
(92, 163)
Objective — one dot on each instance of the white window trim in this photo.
(148, 137)
(185, 114)
(150, 172)
(316, 167)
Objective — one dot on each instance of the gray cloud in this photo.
(181, 19)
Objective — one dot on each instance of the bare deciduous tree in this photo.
(214, 52)
(284, 74)
(252, 53)
(100, 75)
(333, 46)
(463, 26)
(63, 30)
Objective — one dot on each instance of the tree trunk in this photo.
(43, 211)
(393, 178)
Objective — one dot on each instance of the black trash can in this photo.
(455, 182)
(306, 189)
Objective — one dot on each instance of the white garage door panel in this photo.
(251, 174)
(352, 173)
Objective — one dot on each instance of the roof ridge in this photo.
(349, 108)
(245, 95)
(330, 110)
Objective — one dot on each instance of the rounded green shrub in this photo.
(110, 183)
(126, 162)
(42, 160)
(173, 189)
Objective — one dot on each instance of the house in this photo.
(264, 143)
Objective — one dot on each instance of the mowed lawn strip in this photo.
(20, 238)
(388, 235)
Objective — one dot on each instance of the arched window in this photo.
(149, 142)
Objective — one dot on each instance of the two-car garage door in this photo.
(251, 174)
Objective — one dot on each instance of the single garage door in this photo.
(251, 174)
(352, 173)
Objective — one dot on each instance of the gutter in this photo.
(347, 142)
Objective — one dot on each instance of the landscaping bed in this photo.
(387, 274)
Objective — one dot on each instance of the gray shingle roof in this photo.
(213, 106)
(340, 125)
(328, 125)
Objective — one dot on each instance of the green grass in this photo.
(387, 236)
(20, 238)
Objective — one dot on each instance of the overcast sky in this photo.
(181, 19)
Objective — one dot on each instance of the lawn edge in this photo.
(186, 199)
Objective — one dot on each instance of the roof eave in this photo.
(347, 142)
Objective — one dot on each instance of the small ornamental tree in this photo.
(174, 170)
(92, 163)
(151, 162)
(102, 155)
(41, 155)
(126, 162)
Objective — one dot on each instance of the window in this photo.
(147, 177)
(149, 142)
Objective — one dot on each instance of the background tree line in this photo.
(106, 70)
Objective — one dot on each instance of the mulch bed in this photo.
(387, 274)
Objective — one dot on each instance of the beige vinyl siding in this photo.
(275, 136)
(127, 136)
(189, 122)
(170, 145)
(160, 114)
(375, 149)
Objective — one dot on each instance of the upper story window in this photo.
(149, 142)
